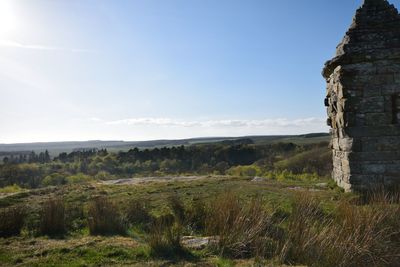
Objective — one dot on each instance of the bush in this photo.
(318, 160)
(104, 218)
(11, 189)
(103, 176)
(54, 179)
(52, 221)
(11, 221)
(79, 178)
(285, 176)
(251, 170)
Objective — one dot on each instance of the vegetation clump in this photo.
(137, 212)
(243, 229)
(166, 231)
(104, 218)
(11, 221)
(53, 217)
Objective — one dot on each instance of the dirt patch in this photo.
(152, 179)
(4, 195)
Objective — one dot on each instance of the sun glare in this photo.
(8, 20)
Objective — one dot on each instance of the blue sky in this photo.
(151, 69)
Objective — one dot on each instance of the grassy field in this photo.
(78, 247)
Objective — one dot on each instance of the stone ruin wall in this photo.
(364, 112)
(363, 100)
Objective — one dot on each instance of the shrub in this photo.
(54, 179)
(251, 170)
(11, 189)
(285, 175)
(79, 178)
(318, 160)
(103, 176)
(11, 221)
(104, 218)
(52, 221)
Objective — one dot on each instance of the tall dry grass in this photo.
(52, 219)
(243, 230)
(104, 218)
(11, 221)
(164, 237)
(351, 236)
(196, 214)
(137, 212)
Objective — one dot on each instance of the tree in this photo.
(46, 156)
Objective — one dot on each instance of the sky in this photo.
(165, 69)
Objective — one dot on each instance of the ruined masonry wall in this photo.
(364, 112)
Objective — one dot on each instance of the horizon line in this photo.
(154, 140)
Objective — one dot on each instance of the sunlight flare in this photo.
(8, 18)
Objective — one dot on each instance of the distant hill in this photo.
(57, 147)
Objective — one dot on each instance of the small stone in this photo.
(322, 185)
(257, 179)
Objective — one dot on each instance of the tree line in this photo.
(35, 170)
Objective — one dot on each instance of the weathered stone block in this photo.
(377, 131)
(371, 144)
(391, 181)
(383, 79)
(360, 179)
(346, 144)
(373, 105)
(360, 120)
(370, 91)
(335, 143)
(396, 77)
(377, 119)
(375, 156)
(373, 168)
(392, 169)
(355, 167)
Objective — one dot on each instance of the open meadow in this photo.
(202, 221)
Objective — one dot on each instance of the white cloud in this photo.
(14, 44)
(269, 126)
(95, 119)
(154, 122)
